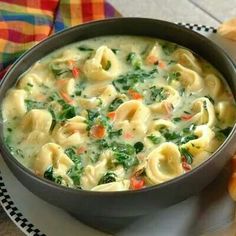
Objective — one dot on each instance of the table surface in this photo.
(206, 12)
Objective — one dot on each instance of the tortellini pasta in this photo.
(117, 113)
(187, 59)
(204, 112)
(190, 79)
(164, 163)
(36, 119)
(214, 85)
(171, 99)
(52, 155)
(14, 104)
(93, 173)
(72, 133)
(226, 113)
(103, 66)
(132, 116)
(201, 143)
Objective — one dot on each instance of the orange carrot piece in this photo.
(111, 115)
(98, 131)
(135, 95)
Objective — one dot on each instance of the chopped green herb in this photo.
(134, 60)
(9, 129)
(177, 119)
(211, 99)
(154, 139)
(129, 80)
(115, 133)
(30, 104)
(187, 112)
(157, 94)
(169, 136)
(124, 154)
(188, 156)
(168, 48)
(108, 178)
(76, 170)
(115, 50)
(188, 138)
(48, 174)
(205, 105)
(171, 76)
(85, 48)
(138, 147)
(30, 85)
(59, 69)
(115, 104)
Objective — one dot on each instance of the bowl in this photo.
(100, 207)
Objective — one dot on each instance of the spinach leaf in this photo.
(115, 104)
(115, 133)
(188, 156)
(168, 48)
(130, 79)
(134, 60)
(157, 94)
(138, 147)
(59, 69)
(108, 178)
(76, 170)
(85, 48)
(171, 76)
(154, 139)
(31, 104)
(124, 154)
(48, 174)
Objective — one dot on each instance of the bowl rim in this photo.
(7, 154)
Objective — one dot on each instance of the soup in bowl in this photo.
(116, 113)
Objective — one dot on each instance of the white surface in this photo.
(211, 213)
(170, 10)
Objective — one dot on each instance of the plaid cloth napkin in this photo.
(24, 23)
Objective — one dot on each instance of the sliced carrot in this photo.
(134, 94)
(136, 183)
(61, 82)
(128, 135)
(169, 107)
(152, 59)
(111, 115)
(161, 64)
(74, 69)
(186, 117)
(186, 166)
(67, 98)
(98, 131)
(81, 150)
(75, 72)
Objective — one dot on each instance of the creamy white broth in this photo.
(116, 113)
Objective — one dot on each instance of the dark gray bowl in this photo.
(116, 205)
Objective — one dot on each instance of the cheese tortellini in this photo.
(190, 79)
(117, 113)
(103, 66)
(204, 112)
(14, 104)
(164, 163)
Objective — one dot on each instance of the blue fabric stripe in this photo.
(32, 19)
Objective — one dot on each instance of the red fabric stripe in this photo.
(49, 5)
(87, 10)
(18, 37)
